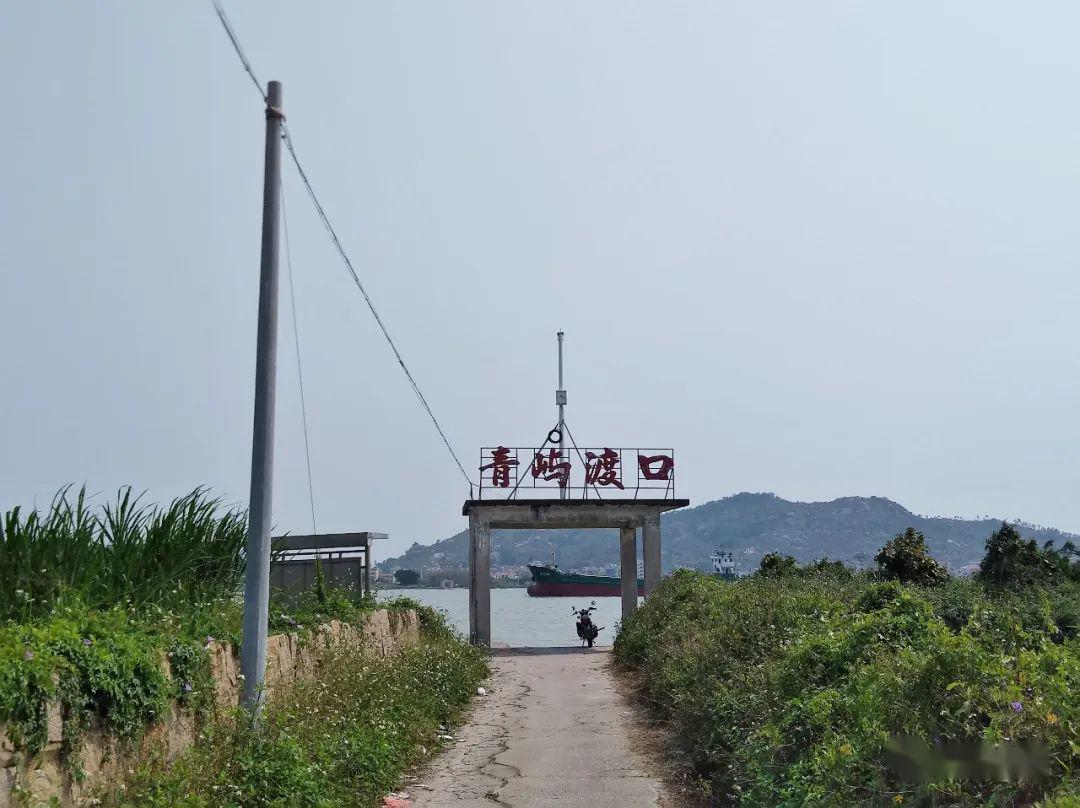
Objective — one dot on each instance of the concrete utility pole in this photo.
(560, 399)
(260, 512)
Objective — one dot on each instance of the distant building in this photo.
(511, 571)
(723, 563)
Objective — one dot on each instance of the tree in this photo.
(907, 559)
(1014, 561)
(407, 577)
(776, 565)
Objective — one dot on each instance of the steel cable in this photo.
(337, 243)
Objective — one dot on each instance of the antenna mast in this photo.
(560, 400)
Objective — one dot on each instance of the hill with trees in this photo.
(849, 529)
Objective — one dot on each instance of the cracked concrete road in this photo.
(552, 730)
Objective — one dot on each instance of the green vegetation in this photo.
(108, 664)
(405, 577)
(110, 611)
(126, 553)
(113, 614)
(341, 740)
(104, 664)
(907, 559)
(1013, 561)
(783, 689)
(849, 529)
(776, 565)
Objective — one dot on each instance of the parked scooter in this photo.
(587, 630)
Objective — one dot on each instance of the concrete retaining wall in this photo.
(289, 657)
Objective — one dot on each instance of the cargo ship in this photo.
(548, 581)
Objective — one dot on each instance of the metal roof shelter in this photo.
(345, 560)
(628, 515)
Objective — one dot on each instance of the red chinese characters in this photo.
(603, 469)
(655, 467)
(552, 467)
(500, 465)
(619, 472)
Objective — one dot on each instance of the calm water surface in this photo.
(521, 621)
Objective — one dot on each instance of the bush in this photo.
(823, 566)
(907, 559)
(1013, 561)
(343, 739)
(107, 664)
(784, 691)
(878, 596)
(776, 565)
(101, 665)
(406, 577)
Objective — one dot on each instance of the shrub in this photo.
(776, 565)
(108, 664)
(101, 665)
(955, 600)
(823, 566)
(1013, 561)
(784, 691)
(343, 739)
(907, 559)
(302, 610)
(406, 577)
(878, 596)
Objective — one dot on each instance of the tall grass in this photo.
(123, 552)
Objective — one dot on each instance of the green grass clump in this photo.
(122, 553)
(783, 691)
(343, 739)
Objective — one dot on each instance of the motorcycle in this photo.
(587, 630)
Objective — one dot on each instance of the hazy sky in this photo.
(819, 248)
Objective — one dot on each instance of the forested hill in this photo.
(851, 529)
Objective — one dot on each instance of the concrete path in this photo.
(552, 730)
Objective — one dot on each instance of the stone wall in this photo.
(104, 758)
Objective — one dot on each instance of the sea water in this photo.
(518, 620)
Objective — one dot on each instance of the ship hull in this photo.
(549, 582)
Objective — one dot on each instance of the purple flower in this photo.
(28, 655)
(186, 687)
(1017, 706)
(209, 640)
(87, 641)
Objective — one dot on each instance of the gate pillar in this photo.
(628, 568)
(650, 539)
(479, 580)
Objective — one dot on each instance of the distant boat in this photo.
(548, 581)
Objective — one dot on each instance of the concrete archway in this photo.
(628, 515)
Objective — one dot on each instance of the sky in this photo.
(821, 249)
